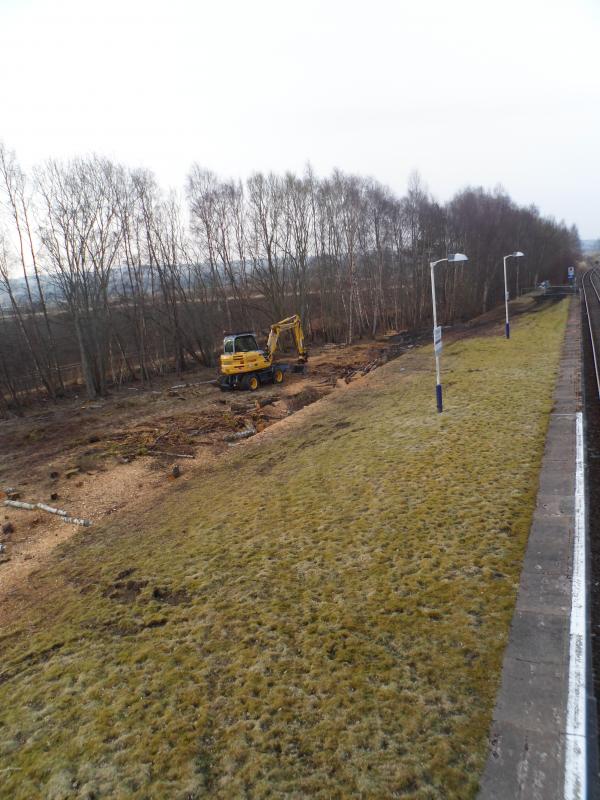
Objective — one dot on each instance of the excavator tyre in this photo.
(251, 382)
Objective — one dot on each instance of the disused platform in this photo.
(538, 741)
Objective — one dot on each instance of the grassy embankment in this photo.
(322, 615)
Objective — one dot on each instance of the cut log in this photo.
(167, 453)
(242, 408)
(20, 504)
(235, 437)
(49, 509)
(196, 383)
(268, 401)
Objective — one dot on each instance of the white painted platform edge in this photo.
(575, 739)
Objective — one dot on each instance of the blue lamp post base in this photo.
(438, 394)
(507, 327)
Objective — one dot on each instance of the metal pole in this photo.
(438, 383)
(507, 325)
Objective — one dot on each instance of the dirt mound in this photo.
(303, 398)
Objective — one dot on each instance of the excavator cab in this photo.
(243, 363)
(240, 343)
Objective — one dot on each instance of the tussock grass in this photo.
(322, 615)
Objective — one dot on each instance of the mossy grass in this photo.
(322, 614)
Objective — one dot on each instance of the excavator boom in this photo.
(294, 324)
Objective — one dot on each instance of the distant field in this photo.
(322, 614)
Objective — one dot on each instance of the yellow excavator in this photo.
(245, 366)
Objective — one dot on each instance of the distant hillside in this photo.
(52, 292)
(19, 290)
(590, 245)
(118, 285)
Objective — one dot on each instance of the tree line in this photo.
(105, 277)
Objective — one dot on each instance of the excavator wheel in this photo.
(278, 376)
(251, 382)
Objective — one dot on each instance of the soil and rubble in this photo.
(97, 458)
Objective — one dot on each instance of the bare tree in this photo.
(82, 238)
(99, 255)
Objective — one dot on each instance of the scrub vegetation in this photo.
(322, 614)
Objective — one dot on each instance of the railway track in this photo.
(590, 285)
(590, 290)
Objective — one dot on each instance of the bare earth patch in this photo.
(106, 442)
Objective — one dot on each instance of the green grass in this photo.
(323, 614)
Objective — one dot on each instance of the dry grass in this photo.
(322, 615)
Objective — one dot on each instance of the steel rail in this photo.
(591, 283)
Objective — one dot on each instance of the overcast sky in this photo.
(465, 91)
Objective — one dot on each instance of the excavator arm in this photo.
(294, 324)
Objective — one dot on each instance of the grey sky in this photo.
(467, 92)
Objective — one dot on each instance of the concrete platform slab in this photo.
(528, 707)
(523, 764)
(544, 593)
(540, 638)
(528, 737)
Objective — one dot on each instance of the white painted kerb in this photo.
(576, 746)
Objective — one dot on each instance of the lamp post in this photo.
(437, 332)
(516, 254)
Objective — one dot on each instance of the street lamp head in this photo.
(518, 254)
(457, 257)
